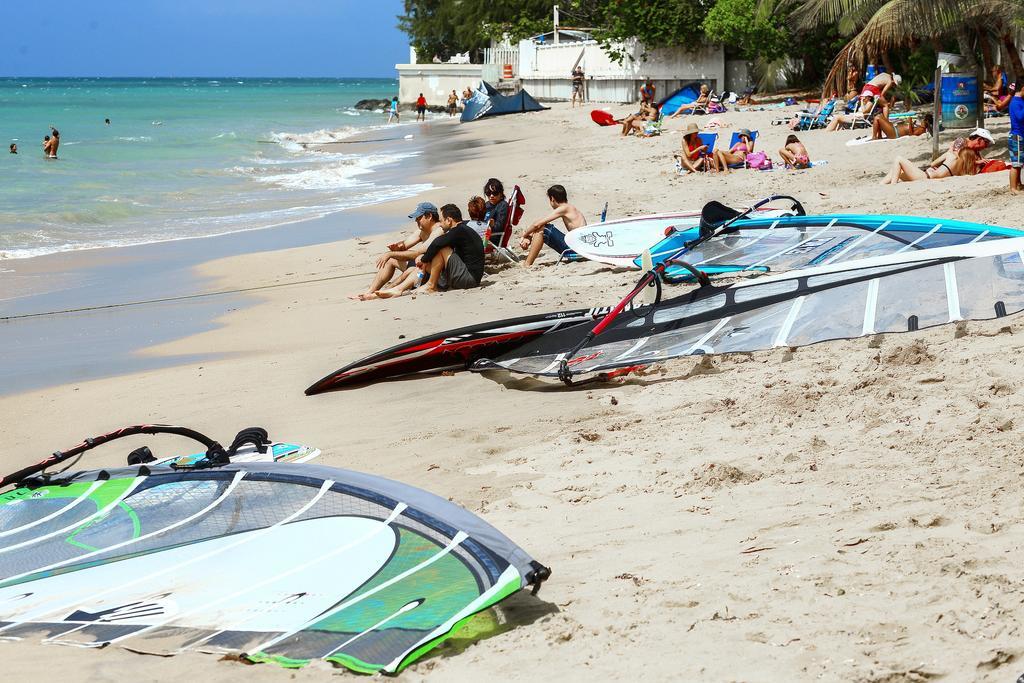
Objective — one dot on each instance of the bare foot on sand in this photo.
(388, 293)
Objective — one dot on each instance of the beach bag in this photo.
(758, 161)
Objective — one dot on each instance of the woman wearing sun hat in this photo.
(694, 156)
(736, 154)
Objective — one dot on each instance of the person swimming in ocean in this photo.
(47, 146)
(106, 121)
(14, 148)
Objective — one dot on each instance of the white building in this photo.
(544, 67)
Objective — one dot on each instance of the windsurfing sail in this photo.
(789, 243)
(486, 101)
(684, 95)
(456, 348)
(900, 292)
(279, 562)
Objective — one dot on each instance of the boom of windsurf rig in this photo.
(216, 454)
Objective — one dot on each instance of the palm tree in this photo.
(877, 26)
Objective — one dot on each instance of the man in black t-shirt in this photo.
(455, 260)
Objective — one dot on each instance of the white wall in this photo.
(545, 69)
(436, 81)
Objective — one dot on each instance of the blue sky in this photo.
(201, 38)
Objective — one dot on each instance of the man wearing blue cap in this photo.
(401, 255)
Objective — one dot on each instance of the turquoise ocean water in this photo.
(184, 158)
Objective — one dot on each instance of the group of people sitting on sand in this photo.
(448, 252)
(695, 154)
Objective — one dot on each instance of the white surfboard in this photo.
(618, 242)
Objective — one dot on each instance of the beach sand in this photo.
(848, 511)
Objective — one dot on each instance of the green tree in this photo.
(655, 23)
(756, 35)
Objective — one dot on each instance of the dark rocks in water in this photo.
(373, 105)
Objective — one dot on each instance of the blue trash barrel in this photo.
(959, 100)
(873, 70)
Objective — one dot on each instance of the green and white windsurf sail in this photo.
(280, 562)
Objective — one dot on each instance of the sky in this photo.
(202, 38)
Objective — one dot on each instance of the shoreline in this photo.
(842, 511)
(100, 294)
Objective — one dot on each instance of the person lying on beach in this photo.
(882, 127)
(636, 123)
(949, 164)
(400, 254)
(844, 120)
(694, 154)
(794, 154)
(455, 260)
(736, 154)
(496, 209)
(544, 231)
(702, 102)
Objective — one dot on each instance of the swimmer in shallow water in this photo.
(14, 148)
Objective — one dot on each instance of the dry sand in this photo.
(849, 511)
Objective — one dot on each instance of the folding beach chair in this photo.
(516, 203)
(809, 121)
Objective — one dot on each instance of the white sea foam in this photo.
(215, 226)
(335, 176)
(139, 138)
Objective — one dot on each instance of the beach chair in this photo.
(501, 252)
(819, 120)
(736, 138)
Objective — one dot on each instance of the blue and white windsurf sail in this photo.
(794, 242)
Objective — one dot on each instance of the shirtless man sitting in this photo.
(401, 254)
(544, 231)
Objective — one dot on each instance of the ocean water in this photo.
(185, 158)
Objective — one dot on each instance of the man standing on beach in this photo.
(455, 260)
(647, 91)
(421, 108)
(496, 209)
(1016, 141)
(453, 101)
(400, 254)
(544, 231)
(577, 85)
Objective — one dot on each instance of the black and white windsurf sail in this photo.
(895, 293)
